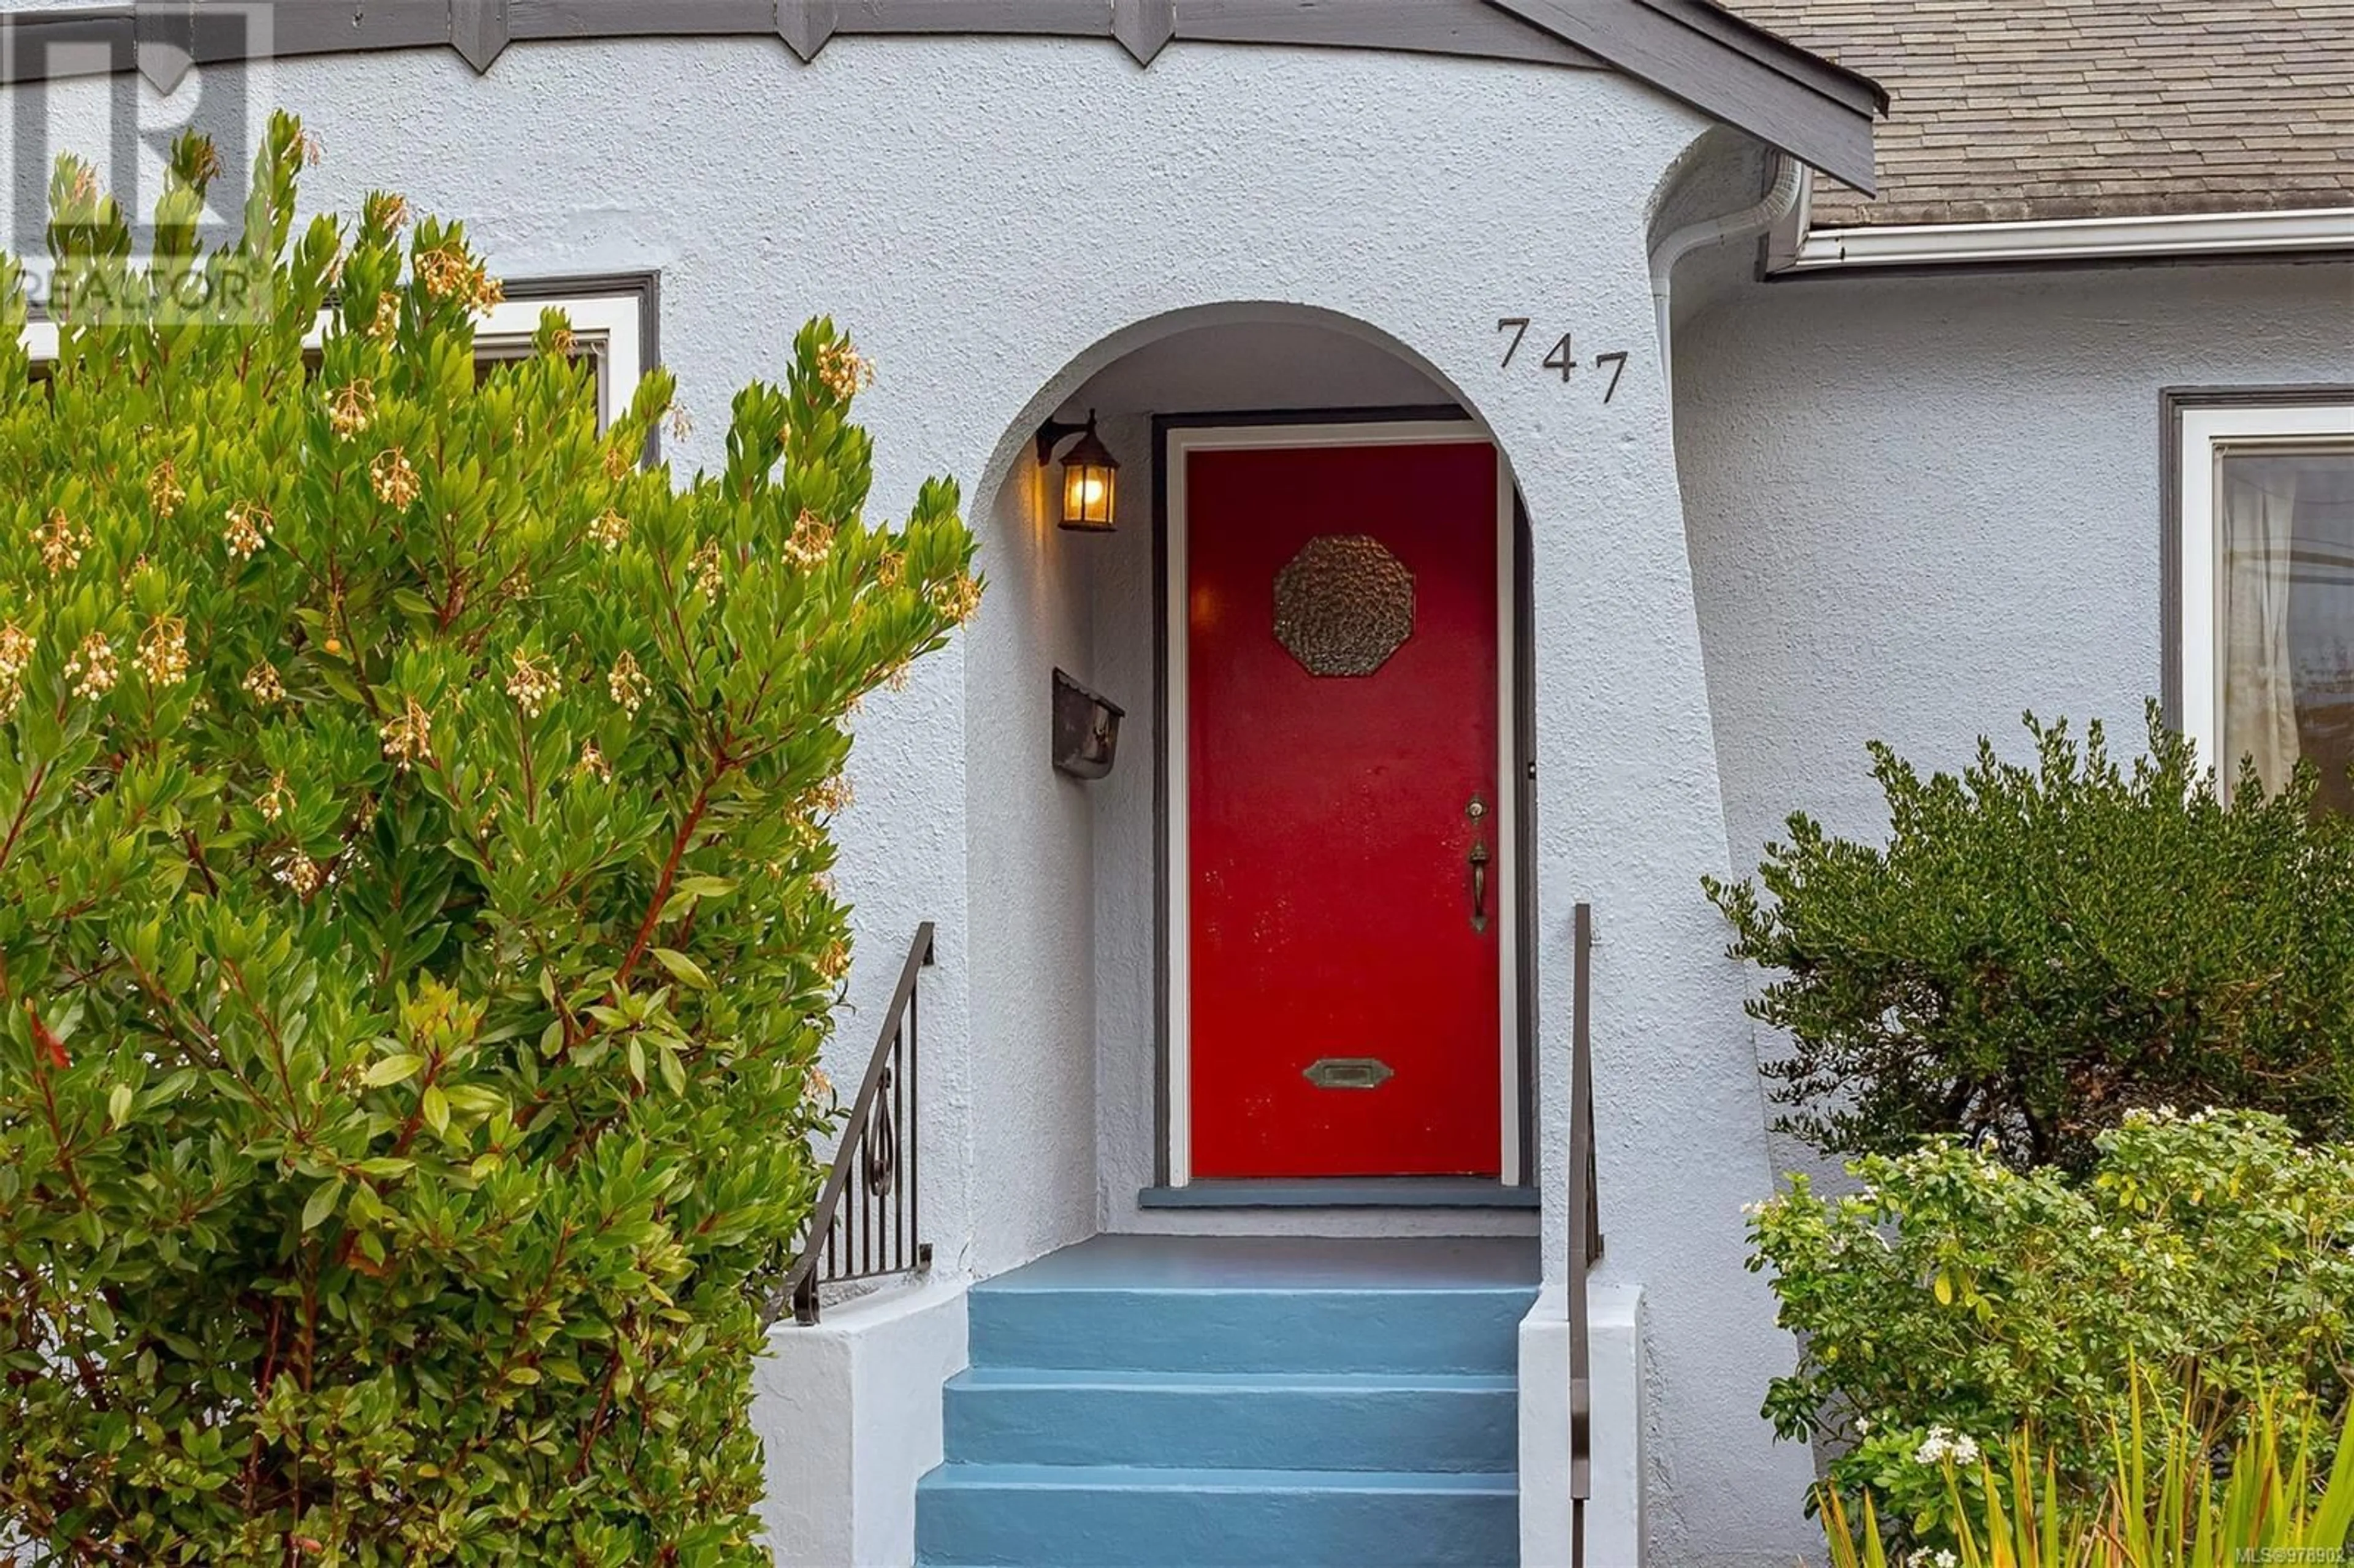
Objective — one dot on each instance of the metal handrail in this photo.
(876, 1236)
(1585, 1231)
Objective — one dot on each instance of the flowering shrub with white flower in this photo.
(414, 933)
(2036, 949)
(1941, 1446)
(2179, 1493)
(1956, 1302)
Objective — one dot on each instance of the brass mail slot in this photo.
(1348, 1073)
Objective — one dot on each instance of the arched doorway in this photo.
(1302, 931)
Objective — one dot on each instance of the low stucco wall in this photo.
(849, 1415)
(1614, 1512)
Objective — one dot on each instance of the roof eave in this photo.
(1816, 111)
(2307, 231)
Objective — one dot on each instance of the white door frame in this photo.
(1182, 442)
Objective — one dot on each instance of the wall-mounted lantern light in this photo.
(1090, 475)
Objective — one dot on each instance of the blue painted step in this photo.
(1175, 1402)
(1257, 1304)
(1347, 1421)
(1113, 1517)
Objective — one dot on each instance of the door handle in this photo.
(1479, 859)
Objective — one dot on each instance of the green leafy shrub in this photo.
(415, 937)
(1954, 1300)
(2038, 950)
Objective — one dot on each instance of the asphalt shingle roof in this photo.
(2011, 110)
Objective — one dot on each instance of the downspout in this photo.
(1780, 197)
(1752, 219)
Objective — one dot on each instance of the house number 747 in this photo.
(1563, 356)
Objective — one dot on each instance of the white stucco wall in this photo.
(993, 220)
(1922, 506)
(850, 1418)
(1031, 883)
(1614, 1496)
(1119, 665)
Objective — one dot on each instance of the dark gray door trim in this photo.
(2171, 402)
(1516, 663)
(1817, 112)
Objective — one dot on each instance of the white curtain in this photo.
(2258, 507)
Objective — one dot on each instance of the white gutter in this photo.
(1749, 221)
(2074, 239)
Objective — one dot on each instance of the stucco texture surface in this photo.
(1030, 860)
(995, 221)
(1921, 506)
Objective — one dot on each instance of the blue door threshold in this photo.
(1343, 1192)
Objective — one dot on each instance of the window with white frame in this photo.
(2263, 513)
(613, 325)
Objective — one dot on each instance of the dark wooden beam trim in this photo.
(1472, 28)
(167, 45)
(1831, 79)
(478, 30)
(806, 25)
(1810, 108)
(356, 27)
(28, 40)
(668, 18)
(302, 27)
(1724, 81)
(1041, 19)
(1144, 26)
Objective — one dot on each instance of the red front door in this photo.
(1345, 862)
